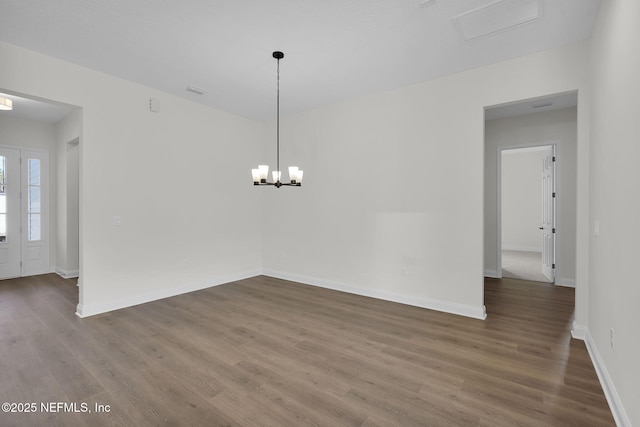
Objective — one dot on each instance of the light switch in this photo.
(117, 220)
(596, 228)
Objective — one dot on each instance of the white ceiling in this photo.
(537, 105)
(334, 49)
(33, 109)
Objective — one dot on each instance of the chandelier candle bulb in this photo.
(293, 174)
(256, 176)
(264, 172)
(276, 176)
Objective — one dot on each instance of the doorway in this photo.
(527, 213)
(528, 124)
(39, 200)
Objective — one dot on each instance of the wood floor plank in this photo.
(267, 352)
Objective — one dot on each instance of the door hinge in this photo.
(553, 159)
(553, 230)
(553, 265)
(553, 194)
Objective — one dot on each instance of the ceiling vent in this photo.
(196, 90)
(427, 3)
(495, 17)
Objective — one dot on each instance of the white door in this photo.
(548, 213)
(10, 240)
(24, 245)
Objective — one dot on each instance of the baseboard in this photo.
(93, 309)
(492, 274)
(569, 283)
(578, 332)
(444, 306)
(38, 272)
(615, 404)
(67, 274)
(522, 249)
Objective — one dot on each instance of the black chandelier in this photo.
(260, 175)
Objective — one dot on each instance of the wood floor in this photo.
(266, 352)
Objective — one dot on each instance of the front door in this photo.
(24, 226)
(10, 241)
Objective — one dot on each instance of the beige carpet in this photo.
(523, 265)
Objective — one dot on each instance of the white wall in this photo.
(558, 127)
(521, 200)
(614, 176)
(68, 133)
(32, 134)
(131, 162)
(392, 204)
(73, 208)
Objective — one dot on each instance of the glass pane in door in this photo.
(33, 202)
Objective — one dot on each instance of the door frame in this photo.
(499, 150)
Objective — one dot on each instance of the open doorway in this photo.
(527, 214)
(41, 141)
(547, 121)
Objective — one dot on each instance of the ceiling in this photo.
(334, 49)
(536, 105)
(33, 109)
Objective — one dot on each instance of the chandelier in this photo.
(262, 172)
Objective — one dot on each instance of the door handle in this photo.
(541, 228)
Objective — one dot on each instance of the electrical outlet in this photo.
(612, 338)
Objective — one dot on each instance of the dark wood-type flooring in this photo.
(266, 352)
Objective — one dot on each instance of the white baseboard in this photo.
(67, 274)
(492, 274)
(615, 404)
(569, 283)
(38, 272)
(444, 306)
(522, 248)
(93, 309)
(578, 332)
